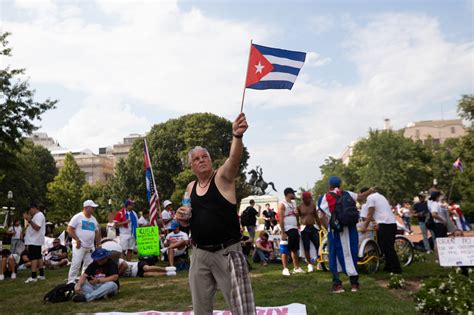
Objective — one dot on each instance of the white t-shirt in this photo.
(324, 202)
(404, 212)
(16, 230)
(290, 215)
(142, 221)
(435, 206)
(364, 210)
(85, 229)
(174, 237)
(33, 237)
(132, 268)
(166, 215)
(383, 212)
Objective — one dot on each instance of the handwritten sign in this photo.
(457, 251)
(148, 241)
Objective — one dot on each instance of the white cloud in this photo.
(314, 59)
(321, 24)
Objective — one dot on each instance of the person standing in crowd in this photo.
(34, 239)
(57, 255)
(16, 232)
(289, 231)
(127, 221)
(111, 229)
(423, 215)
(440, 214)
(309, 219)
(100, 278)
(167, 214)
(342, 258)
(248, 219)
(176, 242)
(217, 259)
(461, 221)
(379, 209)
(142, 220)
(268, 215)
(405, 214)
(84, 231)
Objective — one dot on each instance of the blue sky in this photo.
(118, 67)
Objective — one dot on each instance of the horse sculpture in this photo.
(258, 184)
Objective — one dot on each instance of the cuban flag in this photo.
(273, 68)
(458, 165)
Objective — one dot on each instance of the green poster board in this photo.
(148, 241)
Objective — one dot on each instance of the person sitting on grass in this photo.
(24, 262)
(99, 280)
(8, 264)
(263, 249)
(143, 269)
(176, 242)
(57, 256)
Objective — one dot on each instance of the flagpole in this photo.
(452, 185)
(245, 81)
(154, 182)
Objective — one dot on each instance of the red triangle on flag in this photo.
(259, 66)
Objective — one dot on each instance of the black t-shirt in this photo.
(269, 214)
(421, 209)
(97, 271)
(252, 215)
(56, 252)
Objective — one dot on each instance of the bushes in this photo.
(446, 296)
(396, 282)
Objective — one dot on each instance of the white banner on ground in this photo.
(291, 309)
(457, 251)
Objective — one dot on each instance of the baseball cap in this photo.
(289, 190)
(90, 203)
(100, 253)
(174, 224)
(306, 195)
(166, 203)
(129, 202)
(334, 181)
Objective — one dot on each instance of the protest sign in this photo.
(291, 309)
(457, 251)
(148, 241)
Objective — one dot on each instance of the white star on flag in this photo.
(259, 67)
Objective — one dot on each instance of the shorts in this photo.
(34, 252)
(310, 235)
(177, 252)
(141, 265)
(293, 239)
(127, 242)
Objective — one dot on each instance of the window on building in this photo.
(435, 141)
(453, 130)
(417, 131)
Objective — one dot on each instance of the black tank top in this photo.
(214, 220)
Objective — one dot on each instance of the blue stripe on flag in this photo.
(294, 55)
(265, 85)
(286, 69)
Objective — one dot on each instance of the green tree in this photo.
(466, 107)
(65, 192)
(18, 109)
(168, 144)
(99, 193)
(332, 167)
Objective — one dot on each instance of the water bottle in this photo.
(187, 203)
(283, 247)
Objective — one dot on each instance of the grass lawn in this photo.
(270, 289)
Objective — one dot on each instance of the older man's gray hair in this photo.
(196, 148)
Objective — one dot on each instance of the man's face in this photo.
(56, 244)
(291, 196)
(89, 210)
(200, 162)
(169, 208)
(102, 261)
(307, 201)
(130, 206)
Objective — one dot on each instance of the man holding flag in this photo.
(126, 220)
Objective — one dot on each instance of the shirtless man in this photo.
(308, 217)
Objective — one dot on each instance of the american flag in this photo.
(152, 193)
(458, 165)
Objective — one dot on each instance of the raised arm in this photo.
(229, 170)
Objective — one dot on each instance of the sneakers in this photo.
(13, 276)
(354, 287)
(170, 268)
(29, 280)
(171, 273)
(337, 288)
(2, 277)
(310, 268)
(41, 278)
(298, 270)
(79, 298)
(285, 272)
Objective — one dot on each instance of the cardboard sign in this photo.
(292, 309)
(455, 251)
(148, 241)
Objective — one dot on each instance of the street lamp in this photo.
(10, 208)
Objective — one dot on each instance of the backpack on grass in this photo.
(345, 211)
(60, 293)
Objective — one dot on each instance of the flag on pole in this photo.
(152, 193)
(458, 165)
(273, 68)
